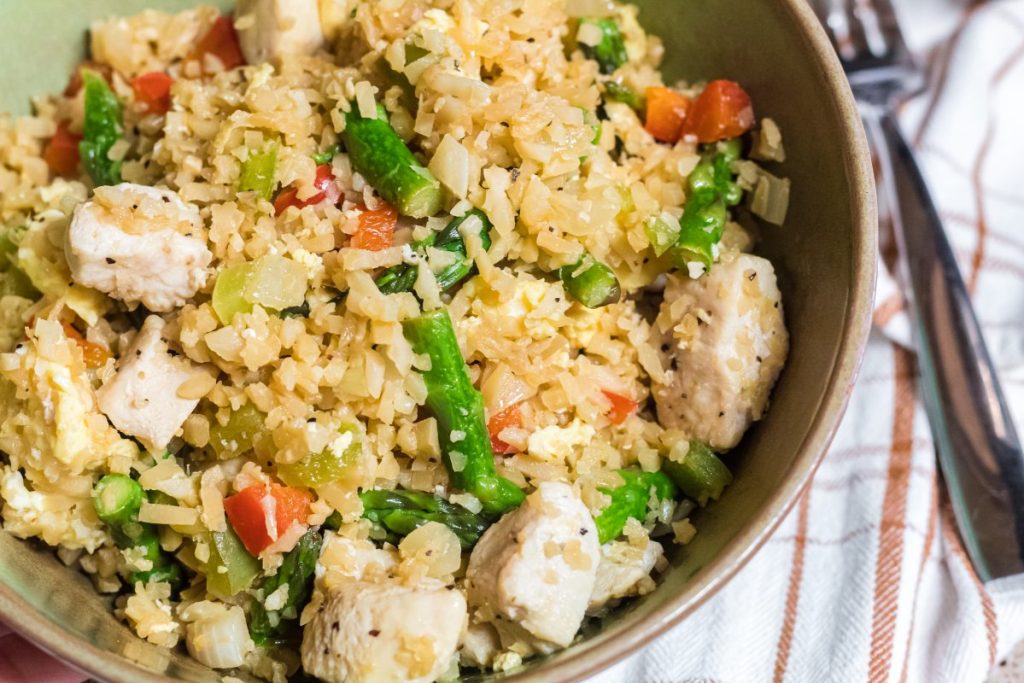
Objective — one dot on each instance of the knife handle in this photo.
(977, 445)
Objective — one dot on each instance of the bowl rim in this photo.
(853, 340)
(50, 636)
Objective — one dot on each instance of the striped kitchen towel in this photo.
(867, 580)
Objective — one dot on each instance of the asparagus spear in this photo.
(610, 53)
(102, 128)
(617, 92)
(712, 191)
(701, 476)
(591, 282)
(281, 626)
(459, 409)
(402, 512)
(117, 499)
(401, 278)
(631, 501)
(380, 156)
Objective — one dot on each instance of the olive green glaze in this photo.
(826, 261)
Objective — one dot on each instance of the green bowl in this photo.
(826, 261)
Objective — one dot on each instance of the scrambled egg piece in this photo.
(536, 309)
(560, 443)
(51, 429)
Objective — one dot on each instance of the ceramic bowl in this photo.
(825, 257)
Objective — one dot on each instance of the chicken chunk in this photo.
(728, 343)
(625, 570)
(138, 244)
(278, 27)
(479, 646)
(533, 572)
(384, 632)
(141, 399)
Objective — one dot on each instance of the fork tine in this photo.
(876, 38)
(837, 19)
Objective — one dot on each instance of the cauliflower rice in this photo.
(224, 349)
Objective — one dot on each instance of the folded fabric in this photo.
(867, 580)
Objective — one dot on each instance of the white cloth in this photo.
(866, 579)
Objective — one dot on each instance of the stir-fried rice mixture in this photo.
(380, 339)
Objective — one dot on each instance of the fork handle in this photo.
(978, 449)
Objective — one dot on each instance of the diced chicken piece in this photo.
(139, 244)
(480, 645)
(533, 572)
(268, 29)
(384, 632)
(141, 399)
(728, 343)
(625, 570)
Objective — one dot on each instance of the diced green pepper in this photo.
(661, 234)
(610, 53)
(103, 126)
(259, 172)
(381, 156)
(459, 409)
(631, 501)
(329, 465)
(245, 430)
(590, 282)
(274, 282)
(230, 569)
(701, 476)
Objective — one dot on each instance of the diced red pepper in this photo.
(510, 417)
(249, 511)
(221, 41)
(376, 229)
(76, 82)
(61, 153)
(622, 406)
(722, 111)
(94, 355)
(666, 112)
(325, 182)
(153, 92)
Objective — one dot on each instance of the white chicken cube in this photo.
(139, 244)
(625, 570)
(479, 646)
(533, 572)
(268, 29)
(373, 632)
(141, 399)
(727, 345)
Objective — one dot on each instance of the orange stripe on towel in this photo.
(889, 562)
(796, 574)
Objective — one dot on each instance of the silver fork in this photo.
(977, 445)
